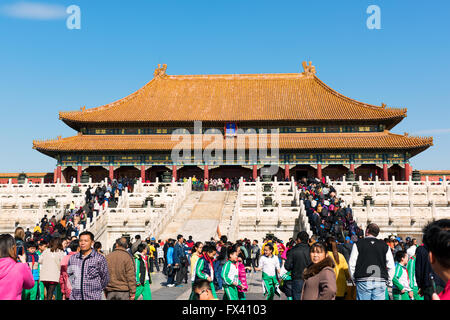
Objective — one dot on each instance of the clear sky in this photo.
(46, 67)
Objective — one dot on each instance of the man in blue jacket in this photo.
(179, 260)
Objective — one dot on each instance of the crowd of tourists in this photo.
(214, 184)
(76, 268)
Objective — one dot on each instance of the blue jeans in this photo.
(297, 286)
(217, 274)
(370, 290)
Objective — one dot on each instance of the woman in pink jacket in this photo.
(64, 282)
(14, 275)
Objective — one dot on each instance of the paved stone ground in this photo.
(161, 292)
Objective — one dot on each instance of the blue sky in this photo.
(46, 68)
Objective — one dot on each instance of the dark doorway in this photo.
(299, 174)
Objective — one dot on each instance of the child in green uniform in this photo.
(41, 289)
(411, 267)
(143, 277)
(33, 263)
(270, 266)
(230, 276)
(204, 269)
(401, 289)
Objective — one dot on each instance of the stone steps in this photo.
(200, 215)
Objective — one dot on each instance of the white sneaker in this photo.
(171, 285)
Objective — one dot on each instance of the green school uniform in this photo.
(229, 275)
(411, 267)
(142, 290)
(400, 282)
(200, 274)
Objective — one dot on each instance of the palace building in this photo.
(319, 132)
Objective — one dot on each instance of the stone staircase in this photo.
(227, 212)
(199, 216)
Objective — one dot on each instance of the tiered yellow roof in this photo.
(236, 97)
(305, 141)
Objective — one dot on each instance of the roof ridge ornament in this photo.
(383, 105)
(160, 71)
(308, 69)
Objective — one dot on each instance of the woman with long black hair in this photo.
(50, 262)
(340, 268)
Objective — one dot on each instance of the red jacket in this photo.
(242, 277)
(445, 294)
(64, 282)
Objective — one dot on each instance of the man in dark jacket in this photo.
(297, 260)
(346, 248)
(122, 273)
(423, 272)
(180, 260)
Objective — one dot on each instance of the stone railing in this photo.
(284, 215)
(402, 207)
(405, 193)
(112, 223)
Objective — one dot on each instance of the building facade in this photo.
(233, 125)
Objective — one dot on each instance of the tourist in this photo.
(411, 250)
(136, 243)
(437, 239)
(180, 260)
(286, 277)
(42, 245)
(15, 275)
(346, 248)
(19, 237)
(50, 268)
(371, 266)
(242, 288)
(160, 252)
(196, 254)
(411, 268)
(204, 269)
(340, 268)
(401, 289)
(98, 248)
(170, 264)
(143, 276)
(121, 269)
(297, 259)
(28, 235)
(152, 254)
(221, 259)
(230, 275)
(255, 253)
(33, 263)
(319, 277)
(270, 267)
(202, 289)
(37, 229)
(88, 268)
(64, 282)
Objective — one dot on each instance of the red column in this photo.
(55, 175)
(59, 173)
(174, 172)
(79, 170)
(407, 171)
(206, 173)
(286, 171)
(143, 173)
(255, 172)
(352, 167)
(111, 173)
(319, 171)
(385, 172)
